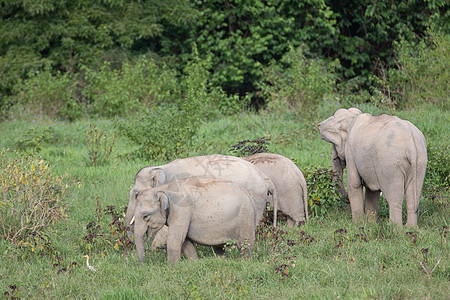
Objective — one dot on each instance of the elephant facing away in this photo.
(204, 211)
(252, 179)
(381, 153)
(289, 182)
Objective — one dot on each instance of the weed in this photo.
(12, 293)
(102, 240)
(99, 145)
(30, 197)
(422, 255)
(322, 190)
(35, 139)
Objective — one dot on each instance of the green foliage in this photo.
(66, 34)
(243, 35)
(367, 30)
(322, 191)
(164, 131)
(103, 240)
(120, 92)
(35, 139)
(31, 196)
(423, 72)
(299, 84)
(99, 145)
(437, 178)
(44, 93)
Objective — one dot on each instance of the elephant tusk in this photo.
(132, 221)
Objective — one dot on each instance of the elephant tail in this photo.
(305, 201)
(272, 191)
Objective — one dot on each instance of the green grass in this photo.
(380, 261)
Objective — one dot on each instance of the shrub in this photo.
(119, 92)
(44, 93)
(299, 84)
(437, 177)
(423, 72)
(322, 190)
(101, 240)
(35, 139)
(165, 131)
(99, 145)
(31, 197)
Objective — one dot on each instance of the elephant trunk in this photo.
(338, 166)
(139, 242)
(130, 214)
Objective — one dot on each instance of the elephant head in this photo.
(334, 130)
(146, 178)
(150, 216)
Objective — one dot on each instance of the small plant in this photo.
(322, 190)
(99, 145)
(12, 293)
(422, 256)
(30, 196)
(250, 147)
(283, 270)
(35, 139)
(102, 240)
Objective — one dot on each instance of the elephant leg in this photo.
(175, 239)
(290, 222)
(160, 238)
(412, 204)
(394, 197)
(372, 201)
(355, 193)
(189, 250)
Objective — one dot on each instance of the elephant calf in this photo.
(205, 211)
(381, 153)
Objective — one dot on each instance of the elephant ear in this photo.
(163, 199)
(157, 177)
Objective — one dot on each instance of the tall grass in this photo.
(329, 257)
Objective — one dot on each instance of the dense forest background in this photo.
(170, 65)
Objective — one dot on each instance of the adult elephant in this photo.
(252, 179)
(289, 182)
(203, 211)
(383, 154)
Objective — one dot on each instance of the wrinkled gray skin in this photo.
(204, 211)
(252, 179)
(381, 153)
(289, 182)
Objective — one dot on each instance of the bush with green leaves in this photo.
(423, 72)
(31, 197)
(437, 177)
(99, 145)
(119, 92)
(48, 94)
(164, 131)
(322, 190)
(299, 84)
(35, 139)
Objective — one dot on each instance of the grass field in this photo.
(327, 258)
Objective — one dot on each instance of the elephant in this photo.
(383, 154)
(252, 179)
(204, 211)
(289, 182)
